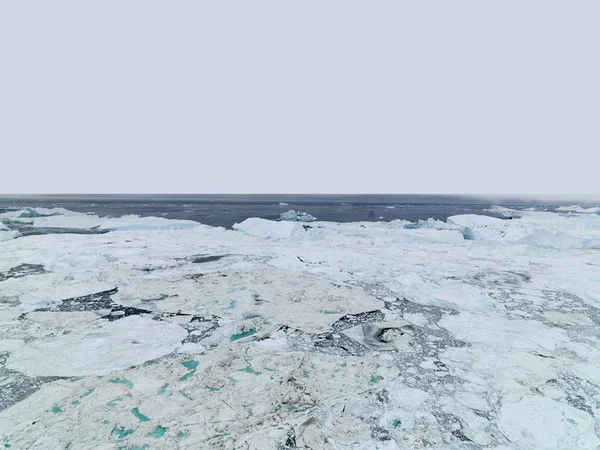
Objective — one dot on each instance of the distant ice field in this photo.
(224, 211)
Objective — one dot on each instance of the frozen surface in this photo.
(475, 333)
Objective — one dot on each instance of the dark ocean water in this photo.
(225, 210)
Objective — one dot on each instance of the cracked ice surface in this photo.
(278, 335)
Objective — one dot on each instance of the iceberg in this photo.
(294, 216)
(29, 213)
(269, 229)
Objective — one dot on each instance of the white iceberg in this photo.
(264, 228)
(294, 216)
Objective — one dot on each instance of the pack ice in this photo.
(147, 333)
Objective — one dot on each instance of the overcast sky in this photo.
(328, 96)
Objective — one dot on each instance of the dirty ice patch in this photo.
(97, 351)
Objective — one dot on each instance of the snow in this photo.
(172, 334)
(99, 350)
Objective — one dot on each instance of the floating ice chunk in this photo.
(502, 210)
(288, 215)
(99, 350)
(540, 422)
(283, 204)
(42, 212)
(292, 215)
(269, 229)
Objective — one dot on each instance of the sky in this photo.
(335, 96)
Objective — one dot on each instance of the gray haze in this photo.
(313, 96)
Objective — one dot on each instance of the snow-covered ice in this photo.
(477, 332)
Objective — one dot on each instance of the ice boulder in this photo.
(269, 229)
(294, 216)
(6, 234)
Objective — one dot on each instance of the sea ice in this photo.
(478, 332)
